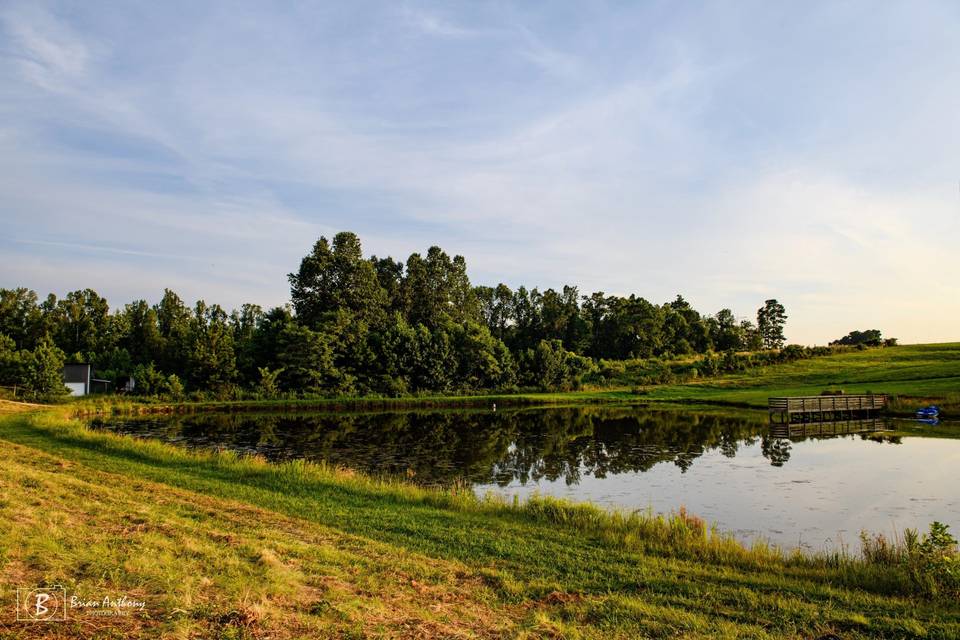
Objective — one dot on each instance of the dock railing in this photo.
(825, 407)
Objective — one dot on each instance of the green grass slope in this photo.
(241, 548)
(915, 374)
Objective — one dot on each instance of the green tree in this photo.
(268, 381)
(113, 364)
(725, 332)
(870, 337)
(306, 361)
(81, 323)
(496, 308)
(41, 372)
(436, 290)
(771, 318)
(243, 325)
(174, 322)
(150, 381)
(483, 361)
(560, 318)
(336, 277)
(696, 331)
(141, 332)
(752, 340)
(265, 340)
(396, 348)
(9, 361)
(390, 276)
(20, 317)
(553, 368)
(211, 360)
(434, 360)
(527, 330)
(355, 359)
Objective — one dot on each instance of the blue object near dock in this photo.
(928, 412)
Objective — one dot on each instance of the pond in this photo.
(815, 490)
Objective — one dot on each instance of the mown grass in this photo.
(223, 546)
(912, 375)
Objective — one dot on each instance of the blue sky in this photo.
(728, 151)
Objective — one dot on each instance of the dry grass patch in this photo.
(208, 567)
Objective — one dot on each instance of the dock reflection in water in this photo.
(792, 483)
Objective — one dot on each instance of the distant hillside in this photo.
(915, 374)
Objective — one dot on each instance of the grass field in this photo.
(239, 548)
(915, 374)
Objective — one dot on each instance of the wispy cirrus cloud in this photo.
(434, 25)
(728, 155)
(47, 52)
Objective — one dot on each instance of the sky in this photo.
(726, 151)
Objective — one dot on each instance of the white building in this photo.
(77, 378)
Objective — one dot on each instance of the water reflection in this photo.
(808, 484)
(485, 447)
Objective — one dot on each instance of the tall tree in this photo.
(336, 278)
(141, 336)
(437, 290)
(771, 318)
(211, 360)
(725, 332)
(244, 323)
(527, 309)
(390, 276)
(174, 322)
(82, 323)
(20, 317)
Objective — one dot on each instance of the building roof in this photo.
(76, 373)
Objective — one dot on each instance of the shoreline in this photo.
(560, 561)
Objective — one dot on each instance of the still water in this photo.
(815, 490)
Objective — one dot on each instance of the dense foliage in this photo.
(365, 325)
(869, 338)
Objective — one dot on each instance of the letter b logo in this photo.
(42, 604)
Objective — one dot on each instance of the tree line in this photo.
(358, 325)
(867, 338)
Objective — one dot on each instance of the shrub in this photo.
(41, 372)
(934, 562)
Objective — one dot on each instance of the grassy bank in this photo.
(225, 547)
(913, 375)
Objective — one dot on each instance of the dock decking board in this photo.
(807, 407)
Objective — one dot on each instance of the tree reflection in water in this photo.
(442, 447)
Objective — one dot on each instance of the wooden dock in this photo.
(828, 428)
(825, 408)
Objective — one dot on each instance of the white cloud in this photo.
(628, 154)
(48, 53)
(434, 25)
